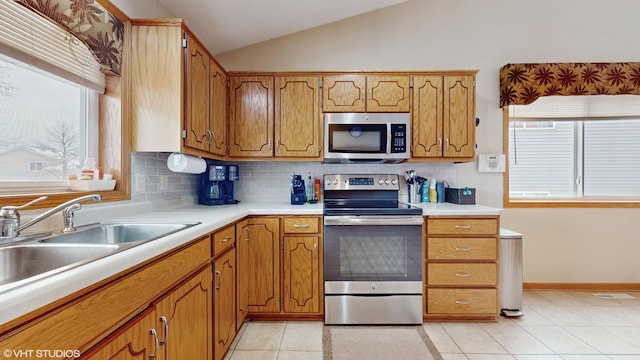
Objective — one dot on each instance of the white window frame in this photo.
(524, 200)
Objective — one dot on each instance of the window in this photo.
(49, 84)
(46, 127)
(577, 148)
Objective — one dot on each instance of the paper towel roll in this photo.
(181, 163)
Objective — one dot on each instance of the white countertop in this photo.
(26, 298)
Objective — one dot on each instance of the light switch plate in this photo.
(491, 163)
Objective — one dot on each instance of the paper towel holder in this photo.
(183, 163)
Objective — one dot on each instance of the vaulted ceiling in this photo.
(225, 25)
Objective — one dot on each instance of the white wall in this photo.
(561, 245)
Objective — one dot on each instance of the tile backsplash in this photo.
(259, 180)
(152, 180)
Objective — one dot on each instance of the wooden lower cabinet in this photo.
(134, 341)
(301, 274)
(461, 265)
(83, 320)
(258, 262)
(224, 305)
(179, 325)
(462, 302)
(184, 319)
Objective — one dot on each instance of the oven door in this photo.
(373, 248)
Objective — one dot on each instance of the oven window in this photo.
(373, 253)
(354, 138)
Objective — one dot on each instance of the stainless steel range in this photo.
(372, 252)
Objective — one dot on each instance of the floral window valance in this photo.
(102, 31)
(522, 84)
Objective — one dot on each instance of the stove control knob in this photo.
(380, 181)
(393, 181)
(387, 182)
(374, 286)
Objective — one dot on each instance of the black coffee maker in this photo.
(216, 185)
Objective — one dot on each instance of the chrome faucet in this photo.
(10, 218)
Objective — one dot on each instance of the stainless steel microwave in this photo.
(364, 137)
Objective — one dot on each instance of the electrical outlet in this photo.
(164, 182)
(139, 183)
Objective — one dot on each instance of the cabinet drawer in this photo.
(462, 301)
(462, 274)
(462, 248)
(304, 225)
(224, 239)
(462, 226)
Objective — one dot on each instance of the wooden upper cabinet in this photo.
(251, 116)
(218, 87)
(362, 93)
(344, 93)
(443, 117)
(427, 115)
(297, 117)
(388, 93)
(197, 112)
(178, 96)
(459, 117)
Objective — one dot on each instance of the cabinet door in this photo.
(459, 116)
(224, 303)
(197, 95)
(251, 116)
(243, 231)
(301, 274)
(426, 121)
(344, 93)
(184, 319)
(133, 341)
(297, 120)
(258, 265)
(217, 109)
(388, 93)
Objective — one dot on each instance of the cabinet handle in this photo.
(209, 133)
(277, 143)
(248, 233)
(269, 144)
(446, 141)
(219, 279)
(463, 275)
(315, 250)
(463, 227)
(227, 238)
(164, 320)
(440, 144)
(463, 249)
(304, 226)
(463, 302)
(155, 352)
(213, 137)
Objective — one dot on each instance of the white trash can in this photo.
(510, 273)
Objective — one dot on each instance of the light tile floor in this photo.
(556, 326)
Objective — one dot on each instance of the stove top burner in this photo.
(364, 195)
(369, 207)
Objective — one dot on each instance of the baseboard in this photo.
(582, 286)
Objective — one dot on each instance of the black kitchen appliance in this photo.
(372, 252)
(297, 190)
(216, 185)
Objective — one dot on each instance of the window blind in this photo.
(578, 107)
(34, 40)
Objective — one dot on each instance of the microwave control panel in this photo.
(398, 138)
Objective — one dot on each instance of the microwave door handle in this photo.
(389, 139)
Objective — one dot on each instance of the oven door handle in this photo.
(372, 220)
